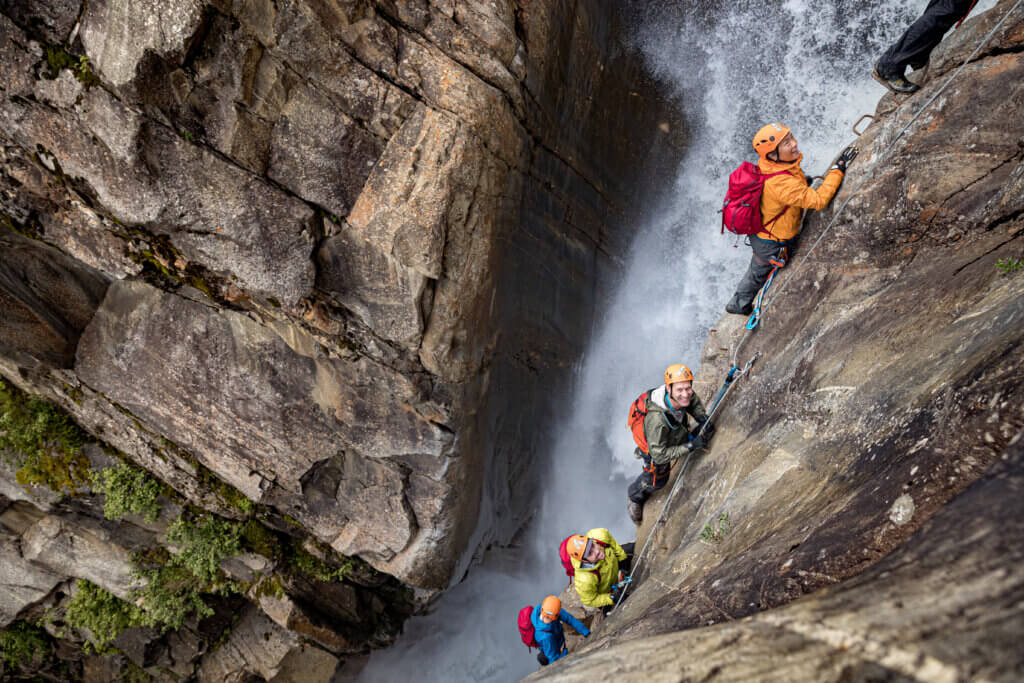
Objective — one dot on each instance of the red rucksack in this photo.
(741, 211)
(526, 627)
(563, 555)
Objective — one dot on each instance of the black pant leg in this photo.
(917, 42)
(647, 483)
(763, 251)
(640, 490)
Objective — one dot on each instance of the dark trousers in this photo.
(765, 252)
(653, 478)
(914, 47)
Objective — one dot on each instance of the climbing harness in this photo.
(735, 373)
(755, 316)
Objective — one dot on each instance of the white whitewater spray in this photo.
(734, 66)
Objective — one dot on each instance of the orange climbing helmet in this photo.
(577, 546)
(768, 138)
(677, 372)
(550, 609)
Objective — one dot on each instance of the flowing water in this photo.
(734, 66)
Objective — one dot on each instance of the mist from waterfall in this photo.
(733, 66)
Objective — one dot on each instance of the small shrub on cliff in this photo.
(21, 642)
(204, 542)
(43, 442)
(715, 533)
(171, 594)
(1009, 265)
(128, 490)
(104, 614)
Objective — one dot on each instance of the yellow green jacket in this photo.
(595, 588)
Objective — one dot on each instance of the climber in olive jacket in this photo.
(597, 565)
(668, 434)
(785, 196)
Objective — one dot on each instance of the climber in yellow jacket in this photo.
(786, 194)
(598, 558)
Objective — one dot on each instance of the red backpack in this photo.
(741, 212)
(526, 627)
(563, 555)
(635, 422)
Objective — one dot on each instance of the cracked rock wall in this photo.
(318, 249)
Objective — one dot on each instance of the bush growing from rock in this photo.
(128, 490)
(204, 542)
(103, 614)
(41, 441)
(21, 642)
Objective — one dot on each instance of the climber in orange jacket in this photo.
(783, 200)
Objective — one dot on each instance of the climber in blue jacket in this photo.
(547, 621)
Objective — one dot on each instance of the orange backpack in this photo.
(637, 413)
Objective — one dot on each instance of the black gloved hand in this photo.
(709, 429)
(845, 157)
(696, 443)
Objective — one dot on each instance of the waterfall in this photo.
(733, 66)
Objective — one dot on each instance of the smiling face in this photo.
(788, 150)
(679, 394)
(594, 554)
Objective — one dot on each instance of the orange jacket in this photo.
(792, 191)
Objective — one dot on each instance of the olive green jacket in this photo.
(664, 443)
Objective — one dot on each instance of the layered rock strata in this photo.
(320, 256)
(320, 222)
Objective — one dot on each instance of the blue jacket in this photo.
(550, 637)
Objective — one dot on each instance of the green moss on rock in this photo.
(22, 643)
(42, 442)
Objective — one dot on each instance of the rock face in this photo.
(937, 609)
(887, 381)
(310, 255)
(327, 228)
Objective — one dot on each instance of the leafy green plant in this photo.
(204, 542)
(171, 594)
(57, 58)
(44, 443)
(128, 490)
(1009, 265)
(104, 614)
(21, 642)
(715, 533)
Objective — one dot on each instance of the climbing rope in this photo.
(735, 373)
(762, 307)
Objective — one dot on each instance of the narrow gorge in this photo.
(296, 271)
(318, 314)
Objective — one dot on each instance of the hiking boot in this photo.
(896, 84)
(745, 309)
(636, 512)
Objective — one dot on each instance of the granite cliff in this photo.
(288, 266)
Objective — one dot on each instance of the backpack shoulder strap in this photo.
(767, 226)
